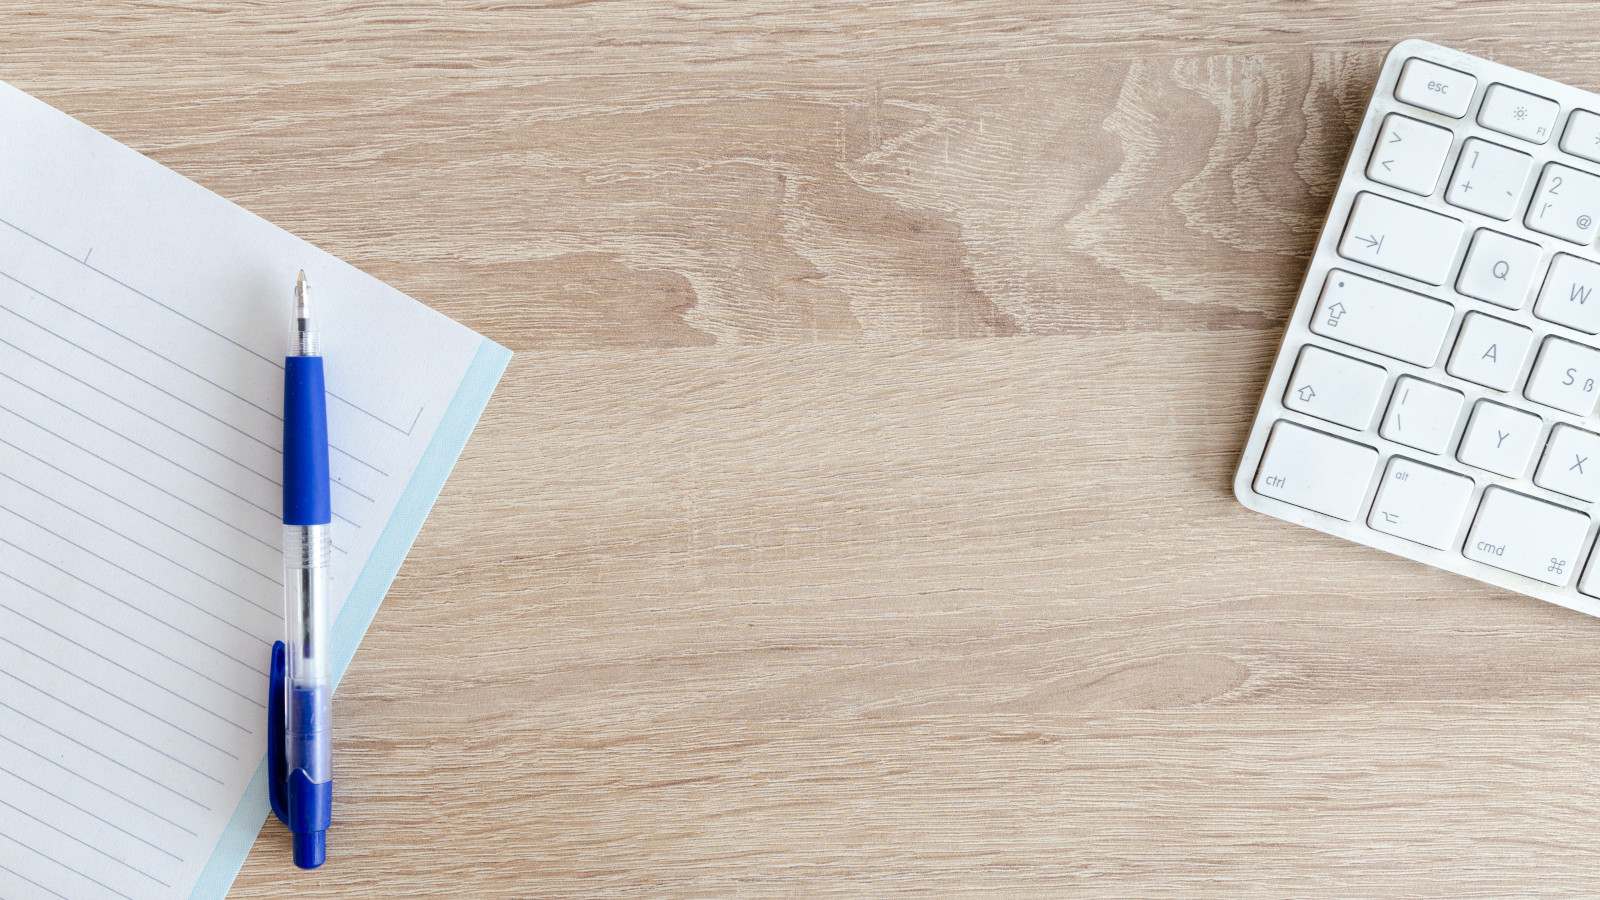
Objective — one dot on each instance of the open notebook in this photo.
(142, 329)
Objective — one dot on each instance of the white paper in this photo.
(143, 323)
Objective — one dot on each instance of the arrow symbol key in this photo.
(1346, 390)
(1401, 238)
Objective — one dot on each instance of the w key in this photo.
(1401, 238)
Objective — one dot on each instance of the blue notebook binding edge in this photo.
(472, 395)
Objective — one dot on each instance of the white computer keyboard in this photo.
(1435, 394)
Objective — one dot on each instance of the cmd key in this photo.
(1401, 238)
(1527, 536)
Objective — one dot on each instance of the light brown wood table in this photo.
(855, 516)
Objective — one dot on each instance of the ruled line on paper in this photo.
(108, 823)
(274, 482)
(276, 580)
(107, 725)
(73, 870)
(92, 620)
(267, 443)
(34, 883)
(270, 360)
(120, 401)
(116, 762)
(140, 479)
(141, 545)
(112, 694)
(184, 600)
(205, 512)
(114, 598)
(90, 781)
(109, 661)
(74, 838)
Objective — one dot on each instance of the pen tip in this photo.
(303, 329)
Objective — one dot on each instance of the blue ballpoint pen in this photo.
(300, 707)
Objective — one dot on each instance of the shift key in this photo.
(1382, 318)
(1401, 238)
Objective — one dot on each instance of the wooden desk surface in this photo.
(855, 517)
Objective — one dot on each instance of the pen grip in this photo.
(305, 443)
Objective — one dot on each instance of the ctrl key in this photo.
(1527, 536)
(1317, 471)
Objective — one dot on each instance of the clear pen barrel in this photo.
(309, 689)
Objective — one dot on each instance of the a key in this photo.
(1489, 179)
(1315, 471)
(1571, 463)
(1527, 536)
(1498, 269)
(1409, 154)
(1568, 295)
(1565, 205)
(1499, 439)
(1382, 318)
(1590, 582)
(1489, 351)
(1421, 415)
(1565, 376)
(1401, 238)
(1583, 135)
(1334, 387)
(1518, 113)
(1420, 503)
(1435, 87)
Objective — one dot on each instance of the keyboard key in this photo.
(1336, 388)
(1499, 269)
(1564, 376)
(1420, 503)
(1435, 87)
(1568, 296)
(1518, 113)
(1489, 351)
(1571, 463)
(1489, 179)
(1590, 582)
(1401, 238)
(1583, 135)
(1527, 536)
(1382, 318)
(1409, 154)
(1316, 471)
(1422, 414)
(1499, 439)
(1565, 205)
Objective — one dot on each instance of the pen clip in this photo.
(277, 762)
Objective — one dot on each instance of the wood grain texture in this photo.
(855, 518)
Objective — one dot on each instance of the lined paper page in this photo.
(142, 331)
